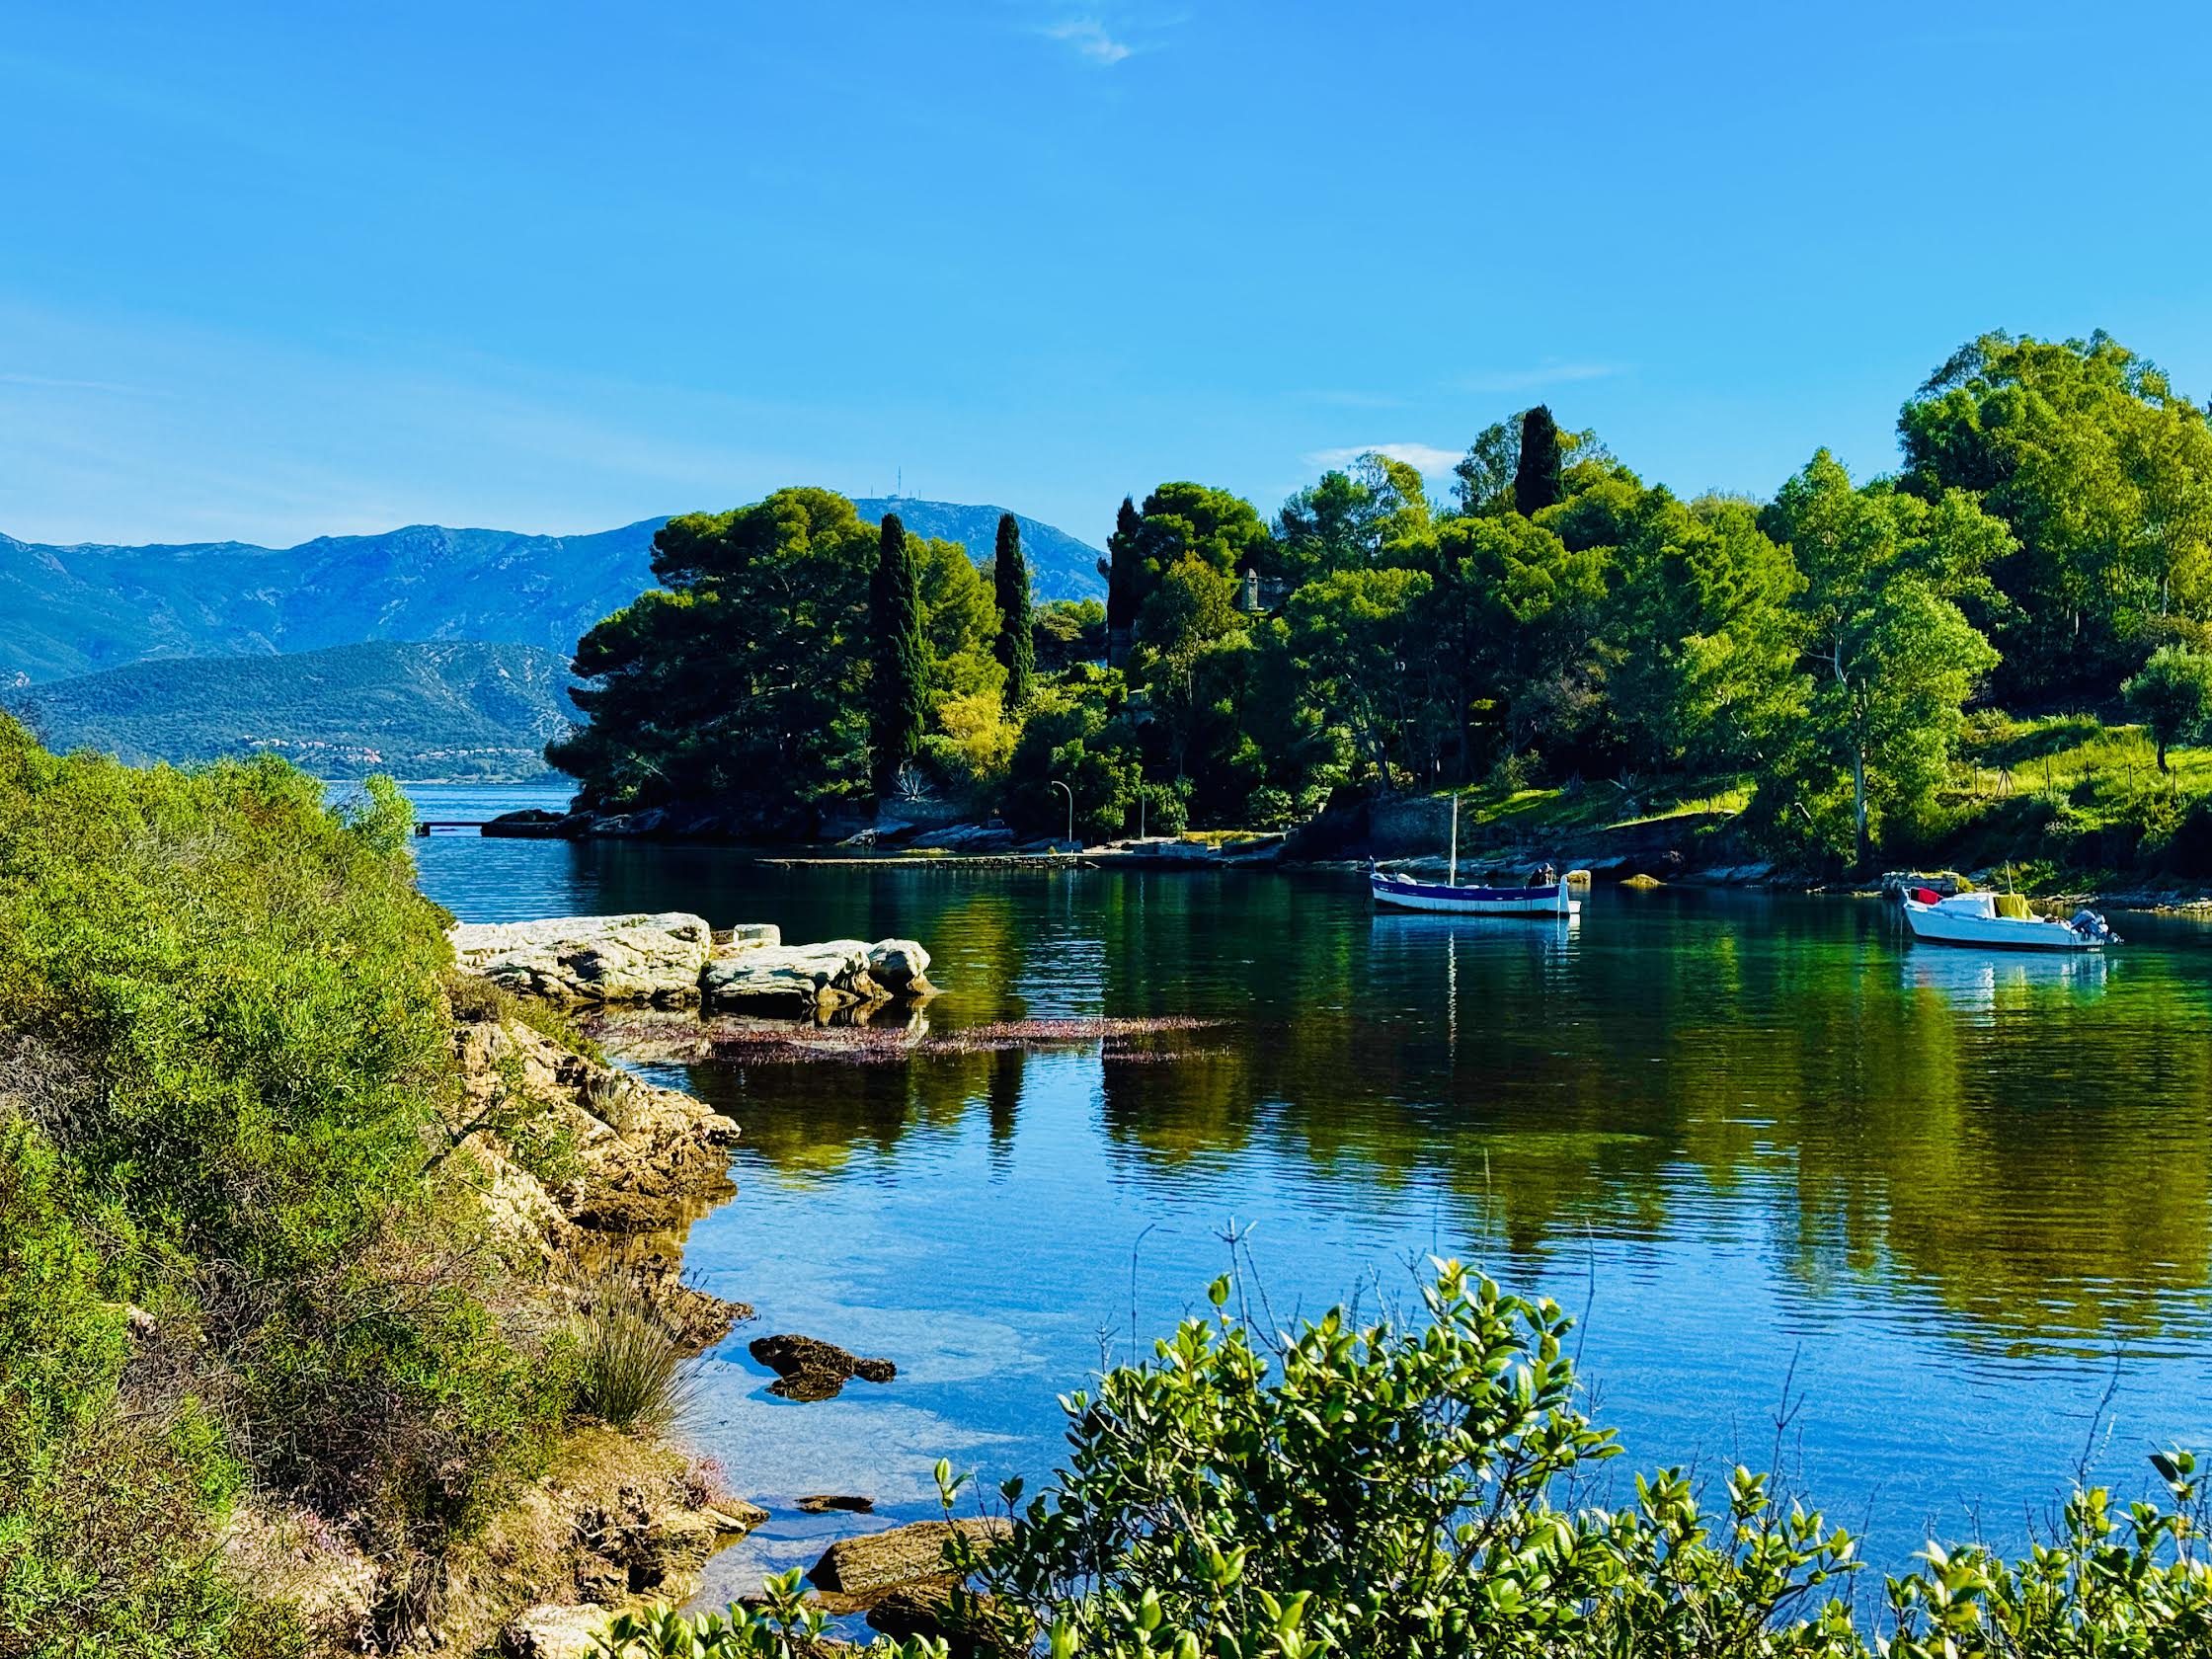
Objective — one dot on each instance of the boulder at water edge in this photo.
(826, 975)
(654, 958)
(869, 1565)
(898, 965)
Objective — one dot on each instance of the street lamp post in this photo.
(1070, 794)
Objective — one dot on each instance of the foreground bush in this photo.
(224, 1054)
(1428, 1491)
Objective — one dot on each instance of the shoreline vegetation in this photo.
(2000, 654)
(319, 1261)
(343, 1312)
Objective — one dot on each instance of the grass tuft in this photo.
(630, 1369)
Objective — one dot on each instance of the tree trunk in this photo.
(2163, 766)
(1859, 801)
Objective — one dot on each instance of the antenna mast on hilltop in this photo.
(899, 489)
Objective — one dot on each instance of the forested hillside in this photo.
(2044, 546)
(445, 710)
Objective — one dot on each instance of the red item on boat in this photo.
(1926, 896)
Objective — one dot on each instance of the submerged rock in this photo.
(824, 1503)
(573, 960)
(809, 1370)
(924, 1609)
(876, 1562)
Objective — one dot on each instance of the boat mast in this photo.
(1452, 864)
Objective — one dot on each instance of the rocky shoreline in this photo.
(620, 1520)
(616, 1518)
(676, 960)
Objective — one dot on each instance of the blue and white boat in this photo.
(1403, 892)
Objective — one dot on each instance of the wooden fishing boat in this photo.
(2000, 921)
(1403, 892)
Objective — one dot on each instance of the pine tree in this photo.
(1124, 571)
(894, 603)
(1016, 650)
(1536, 479)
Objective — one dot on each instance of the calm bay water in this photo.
(1948, 1201)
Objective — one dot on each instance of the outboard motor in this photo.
(2091, 925)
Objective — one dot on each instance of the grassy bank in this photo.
(2064, 801)
(2070, 801)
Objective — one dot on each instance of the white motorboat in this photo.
(2000, 921)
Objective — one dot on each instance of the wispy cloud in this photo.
(1091, 39)
(1542, 374)
(48, 384)
(1424, 458)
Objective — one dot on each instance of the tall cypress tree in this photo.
(1536, 480)
(896, 707)
(1015, 647)
(1124, 572)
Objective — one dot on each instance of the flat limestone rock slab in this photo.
(636, 958)
(833, 973)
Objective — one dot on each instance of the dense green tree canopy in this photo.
(2172, 695)
(1355, 632)
(1712, 680)
(740, 679)
(1193, 523)
(2104, 473)
(1351, 520)
(745, 683)
(1892, 656)
(1066, 632)
(2049, 532)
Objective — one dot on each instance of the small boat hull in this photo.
(1943, 925)
(1397, 893)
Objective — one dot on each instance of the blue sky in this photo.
(274, 271)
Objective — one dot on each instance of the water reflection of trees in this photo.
(2003, 1139)
(817, 1117)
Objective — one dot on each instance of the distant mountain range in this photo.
(73, 610)
(445, 711)
(1060, 567)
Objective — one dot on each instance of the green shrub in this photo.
(225, 1063)
(476, 1000)
(782, 1626)
(1421, 1491)
(63, 1346)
